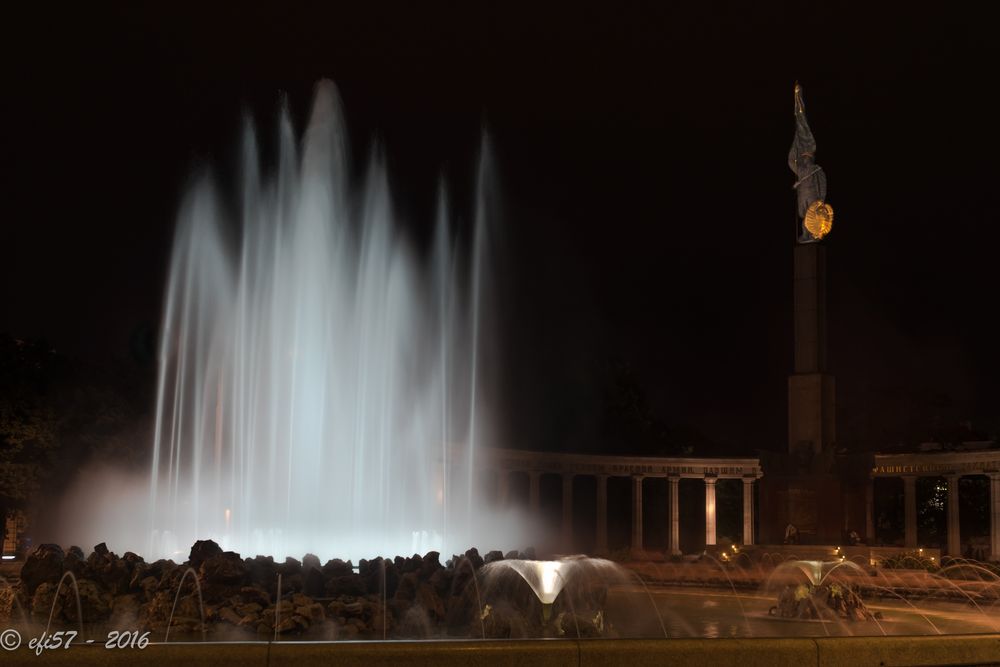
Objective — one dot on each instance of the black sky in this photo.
(648, 209)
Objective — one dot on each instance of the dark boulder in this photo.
(441, 581)
(132, 558)
(352, 585)
(201, 551)
(147, 585)
(473, 556)
(411, 564)
(391, 579)
(290, 566)
(124, 610)
(372, 575)
(45, 564)
(254, 595)
(337, 568)
(263, 571)
(314, 582)
(224, 568)
(157, 568)
(44, 602)
(75, 561)
(428, 599)
(406, 591)
(430, 564)
(95, 604)
(292, 583)
(109, 571)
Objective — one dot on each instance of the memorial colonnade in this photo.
(506, 462)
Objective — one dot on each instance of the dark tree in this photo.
(57, 415)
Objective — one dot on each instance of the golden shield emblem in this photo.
(819, 219)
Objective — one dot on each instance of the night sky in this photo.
(648, 216)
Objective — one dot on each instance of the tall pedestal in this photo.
(802, 487)
(811, 426)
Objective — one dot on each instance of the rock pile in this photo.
(827, 601)
(415, 597)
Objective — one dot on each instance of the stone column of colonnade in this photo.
(674, 540)
(637, 513)
(910, 511)
(535, 491)
(602, 514)
(954, 534)
(503, 488)
(870, 512)
(954, 545)
(567, 510)
(710, 510)
(994, 478)
(748, 510)
(673, 526)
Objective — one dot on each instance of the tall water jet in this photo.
(318, 377)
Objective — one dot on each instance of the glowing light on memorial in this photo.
(819, 219)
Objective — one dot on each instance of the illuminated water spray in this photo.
(317, 373)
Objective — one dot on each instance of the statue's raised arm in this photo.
(815, 215)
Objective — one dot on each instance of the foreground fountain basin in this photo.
(217, 595)
(847, 652)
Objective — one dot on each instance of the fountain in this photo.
(573, 593)
(318, 387)
(545, 577)
(819, 597)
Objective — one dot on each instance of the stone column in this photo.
(636, 514)
(534, 491)
(954, 532)
(710, 511)
(870, 512)
(503, 488)
(602, 514)
(994, 515)
(748, 510)
(910, 511)
(567, 511)
(674, 540)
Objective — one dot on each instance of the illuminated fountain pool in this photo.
(217, 596)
